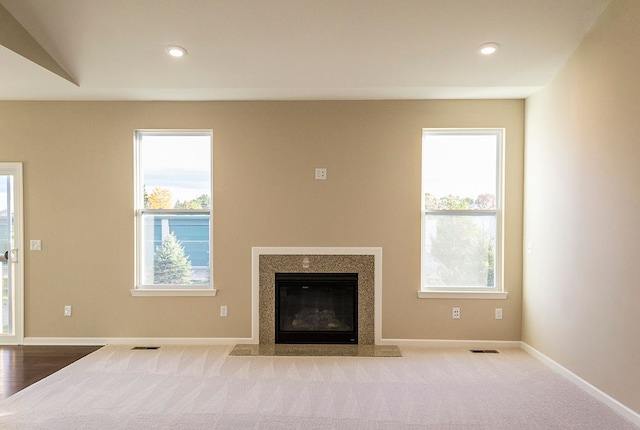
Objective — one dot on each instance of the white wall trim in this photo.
(433, 343)
(257, 251)
(141, 292)
(15, 169)
(139, 341)
(590, 389)
(451, 343)
(491, 295)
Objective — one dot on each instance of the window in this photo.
(173, 211)
(462, 211)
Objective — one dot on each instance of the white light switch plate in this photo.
(35, 245)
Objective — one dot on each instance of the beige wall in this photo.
(582, 211)
(78, 164)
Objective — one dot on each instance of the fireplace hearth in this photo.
(316, 308)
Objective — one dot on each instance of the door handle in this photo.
(10, 256)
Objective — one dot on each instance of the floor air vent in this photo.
(146, 347)
(484, 351)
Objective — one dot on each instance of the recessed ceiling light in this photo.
(488, 48)
(176, 51)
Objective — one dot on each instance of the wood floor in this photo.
(21, 366)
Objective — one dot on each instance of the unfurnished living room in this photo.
(304, 214)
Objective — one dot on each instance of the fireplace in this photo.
(267, 261)
(316, 308)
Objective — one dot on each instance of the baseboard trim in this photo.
(446, 343)
(432, 343)
(593, 391)
(157, 341)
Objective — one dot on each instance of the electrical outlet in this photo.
(321, 173)
(223, 311)
(67, 311)
(456, 314)
(498, 313)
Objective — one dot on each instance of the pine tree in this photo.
(170, 264)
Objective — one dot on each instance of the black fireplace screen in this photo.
(317, 308)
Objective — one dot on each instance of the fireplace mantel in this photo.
(314, 254)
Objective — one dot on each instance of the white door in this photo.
(11, 254)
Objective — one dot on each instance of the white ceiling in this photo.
(293, 49)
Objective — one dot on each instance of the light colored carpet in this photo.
(202, 387)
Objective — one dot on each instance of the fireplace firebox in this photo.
(316, 308)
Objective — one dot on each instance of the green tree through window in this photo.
(463, 250)
(170, 264)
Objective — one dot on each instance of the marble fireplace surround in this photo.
(367, 262)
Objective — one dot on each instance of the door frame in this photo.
(15, 169)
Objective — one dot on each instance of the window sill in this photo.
(173, 293)
(495, 295)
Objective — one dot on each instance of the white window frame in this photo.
(141, 289)
(447, 292)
